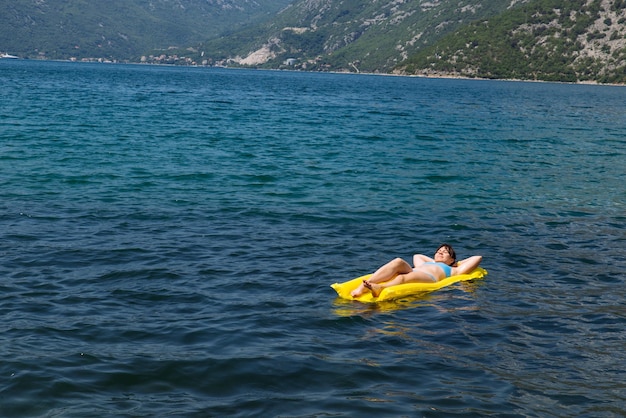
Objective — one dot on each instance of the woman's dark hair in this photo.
(450, 251)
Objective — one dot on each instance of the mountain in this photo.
(350, 35)
(574, 41)
(120, 29)
(553, 40)
(557, 40)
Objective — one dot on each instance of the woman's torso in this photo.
(437, 269)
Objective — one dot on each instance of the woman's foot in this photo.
(358, 291)
(373, 287)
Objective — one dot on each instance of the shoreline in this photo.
(346, 72)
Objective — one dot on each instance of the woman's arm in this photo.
(467, 265)
(419, 259)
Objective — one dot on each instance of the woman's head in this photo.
(445, 253)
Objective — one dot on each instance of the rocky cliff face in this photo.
(605, 38)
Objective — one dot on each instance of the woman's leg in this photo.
(412, 277)
(384, 273)
(390, 270)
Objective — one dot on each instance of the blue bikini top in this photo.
(447, 270)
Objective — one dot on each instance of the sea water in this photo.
(169, 235)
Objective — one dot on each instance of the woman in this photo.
(425, 270)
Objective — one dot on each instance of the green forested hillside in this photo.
(573, 41)
(119, 29)
(577, 40)
(351, 35)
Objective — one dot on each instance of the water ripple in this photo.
(170, 234)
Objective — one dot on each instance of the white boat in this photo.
(7, 56)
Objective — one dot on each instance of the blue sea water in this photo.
(169, 235)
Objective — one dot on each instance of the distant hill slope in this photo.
(555, 40)
(558, 40)
(119, 29)
(352, 35)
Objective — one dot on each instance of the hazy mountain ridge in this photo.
(119, 29)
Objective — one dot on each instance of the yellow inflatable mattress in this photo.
(401, 290)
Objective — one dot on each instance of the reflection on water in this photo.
(344, 307)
